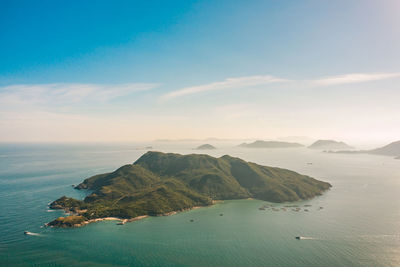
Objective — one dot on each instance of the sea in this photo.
(356, 223)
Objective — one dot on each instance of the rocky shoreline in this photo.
(77, 220)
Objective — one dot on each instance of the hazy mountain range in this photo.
(270, 144)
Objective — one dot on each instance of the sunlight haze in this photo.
(267, 69)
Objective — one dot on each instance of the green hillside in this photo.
(159, 183)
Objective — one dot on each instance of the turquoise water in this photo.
(358, 226)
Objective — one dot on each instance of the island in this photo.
(270, 144)
(205, 147)
(329, 145)
(392, 150)
(165, 183)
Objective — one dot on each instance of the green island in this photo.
(165, 183)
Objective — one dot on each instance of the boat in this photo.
(221, 214)
(298, 237)
(26, 232)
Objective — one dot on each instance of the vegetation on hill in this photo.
(69, 221)
(270, 144)
(159, 183)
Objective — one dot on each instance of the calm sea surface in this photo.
(359, 224)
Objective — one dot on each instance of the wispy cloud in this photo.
(354, 78)
(247, 81)
(227, 83)
(66, 93)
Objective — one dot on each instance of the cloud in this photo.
(354, 78)
(227, 83)
(66, 93)
(267, 79)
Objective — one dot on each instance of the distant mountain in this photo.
(329, 145)
(270, 144)
(392, 149)
(159, 183)
(297, 139)
(208, 139)
(205, 147)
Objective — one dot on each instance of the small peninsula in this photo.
(270, 144)
(165, 183)
(329, 145)
(205, 147)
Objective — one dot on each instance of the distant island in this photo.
(270, 144)
(165, 183)
(392, 149)
(297, 139)
(205, 147)
(209, 139)
(329, 145)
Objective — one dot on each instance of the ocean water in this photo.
(359, 224)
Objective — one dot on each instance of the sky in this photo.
(107, 71)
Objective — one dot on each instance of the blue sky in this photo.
(181, 69)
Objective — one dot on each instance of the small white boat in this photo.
(30, 233)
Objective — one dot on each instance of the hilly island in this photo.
(164, 183)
